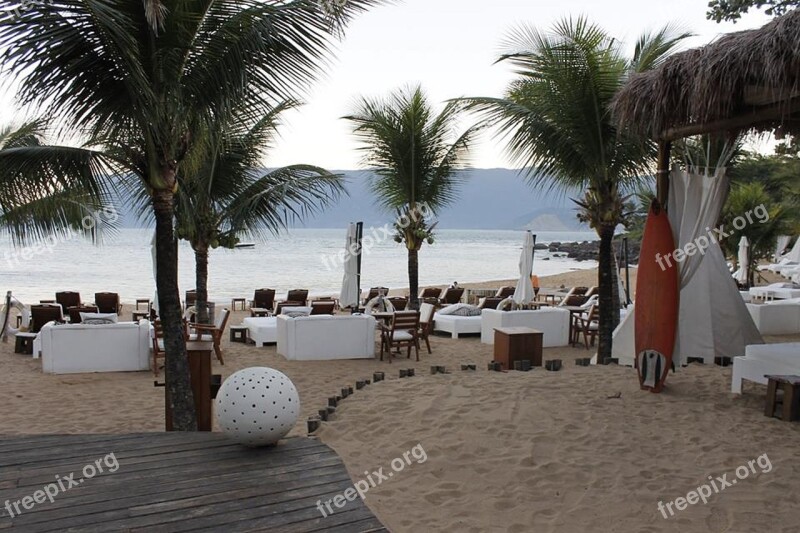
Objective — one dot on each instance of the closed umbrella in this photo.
(744, 262)
(155, 271)
(349, 295)
(524, 293)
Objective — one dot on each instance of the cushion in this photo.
(461, 310)
(99, 318)
(506, 305)
(294, 312)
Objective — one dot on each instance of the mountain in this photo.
(488, 199)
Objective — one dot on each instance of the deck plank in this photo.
(177, 482)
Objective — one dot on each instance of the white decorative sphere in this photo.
(257, 406)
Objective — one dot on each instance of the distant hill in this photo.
(489, 199)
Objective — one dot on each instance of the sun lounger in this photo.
(776, 318)
(762, 359)
(262, 331)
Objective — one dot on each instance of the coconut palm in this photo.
(417, 161)
(223, 196)
(46, 189)
(555, 117)
(150, 74)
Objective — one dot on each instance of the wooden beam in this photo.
(780, 111)
(662, 174)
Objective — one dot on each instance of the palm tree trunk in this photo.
(201, 281)
(606, 288)
(177, 365)
(413, 278)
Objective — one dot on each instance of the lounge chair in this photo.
(505, 292)
(403, 332)
(44, 313)
(430, 295)
(452, 296)
(212, 332)
(374, 292)
(67, 299)
(398, 302)
(323, 307)
(107, 302)
(295, 298)
(490, 302)
(263, 299)
(75, 313)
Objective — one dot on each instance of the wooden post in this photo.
(662, 174)
(199, 354)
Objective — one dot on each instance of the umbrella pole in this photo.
(627, 272)
(359, 237)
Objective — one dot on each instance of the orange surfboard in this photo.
(656, 310)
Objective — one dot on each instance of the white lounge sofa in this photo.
(262, 330)
(763, 359)
(83, 348)
(777, 318)
(777, 291)
(456, 325)
(551, 321)
(326, 337)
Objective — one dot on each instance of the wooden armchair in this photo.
(213, 332)
(588, 325)
(426, 323)
(403, 332)
(107, 302)
(158, 342)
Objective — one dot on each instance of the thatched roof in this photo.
(748, 80)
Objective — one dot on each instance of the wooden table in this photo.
(259, 312)
(199, 354)
(138, 315)
(23, 343)
(790, 385)
(235, 301)
(145, 301)
(517, 344)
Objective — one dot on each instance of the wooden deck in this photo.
(176, 482)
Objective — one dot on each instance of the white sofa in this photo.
(79, 348)
(762, 359)
(776, 319)
(326, 337)
(776, 291)
(551, 321)
(262, 330)
(456, 325)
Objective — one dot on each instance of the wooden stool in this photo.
(235, 301)
(790, 385)
(517, 344)
(23, 343)
(239, 334)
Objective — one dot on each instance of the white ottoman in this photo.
(262, 330)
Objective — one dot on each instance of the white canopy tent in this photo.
(524, 293)
(713, 319)
(780, 247)
(348, 297)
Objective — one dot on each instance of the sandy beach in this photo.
(578, 450)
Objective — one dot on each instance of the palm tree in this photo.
(222, 196)
(417, 162)
(556, 119)
(149, 74)
(47, 189)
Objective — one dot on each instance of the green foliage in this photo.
(732, 10)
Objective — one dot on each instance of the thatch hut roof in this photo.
(748, 80)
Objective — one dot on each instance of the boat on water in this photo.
(245, 245)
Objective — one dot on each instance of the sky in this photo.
(449, 47)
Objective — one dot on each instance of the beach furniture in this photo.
(553, 322)
(323, 307)
(776, 318)
(325, 337)
(430, 295)
(398, 302)
(296, 297)
(515, 344)
(790, 405)
(67, 299)
(587, 325)
(75, 312)
(452, 296)
(456, 324)
(212, 332)
(191, 299)
(775, 291)
(108, 302)
(403, 332)
(44, 313)
(426, 311)
(490, 302)
(262, 330)
(81, 348)
(760, 360)
(374, 292)
(263, 299)
(505, 292)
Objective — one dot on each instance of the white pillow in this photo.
(293, 312)
(460, 310)
(99, 318)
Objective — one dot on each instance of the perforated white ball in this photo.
(257, 406)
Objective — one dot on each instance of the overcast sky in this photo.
(449, 46)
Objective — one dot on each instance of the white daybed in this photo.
(763, 359)
(262, 330)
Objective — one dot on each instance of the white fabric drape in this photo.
(713, 319)
(524, 294)
(743, 258)
(782, 244)
(348, 297)
(794, 254)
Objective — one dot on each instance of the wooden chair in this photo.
(107, 302)
(67, 299)
(430, 295)
(75, 313)
(505, 292)
(588, 325)
(403, 331)
(398, 302)
(452, 296)
(44, 313)
(426, 323)
(158, 342)
(263, 299)
(191, 299)
(490, 302)
(297, 297)
(323, 307)
(213, 332)
(374, 292)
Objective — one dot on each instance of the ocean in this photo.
(303, 258)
